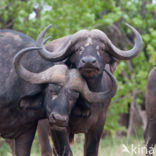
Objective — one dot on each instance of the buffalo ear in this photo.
(71, 61)
(33, 102)
(113, 63)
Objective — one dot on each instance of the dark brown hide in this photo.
(150, 132)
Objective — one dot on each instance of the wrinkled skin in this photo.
(86, 118)
(150, 135)
(20, 102)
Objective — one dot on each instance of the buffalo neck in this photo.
(94, 83)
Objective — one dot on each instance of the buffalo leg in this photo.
(23, 143)
(92, 139)
(43, 134)
(150, 137)
(61, 144)
(150, 147)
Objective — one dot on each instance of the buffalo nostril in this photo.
(89, 59)
(65, 119)
(94, 61)
(58, 118)
(52, 118)
(83, 61)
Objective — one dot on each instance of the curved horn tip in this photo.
(126, 54)
(134, 30)
(130, 27)
(49, 26)
(45, 29)
(49, 37)
(41, 35)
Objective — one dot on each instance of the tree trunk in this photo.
(135, 119)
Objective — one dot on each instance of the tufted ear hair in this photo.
(53, 45)
(33, 102)
(113, 63)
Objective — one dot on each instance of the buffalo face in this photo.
(90, 59)
(59, 102)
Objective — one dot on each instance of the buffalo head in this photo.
(89, 51)
(62, 89)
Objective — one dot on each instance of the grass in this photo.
(112, 147)
(108, 147)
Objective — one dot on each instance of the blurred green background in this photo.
(110, 16)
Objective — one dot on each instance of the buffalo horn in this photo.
(62, 52)
(58, 54)
(122, 54)
(55, 74)
(79, 84)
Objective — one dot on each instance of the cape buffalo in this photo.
(91, 52)
(20, 102)
(150, 132)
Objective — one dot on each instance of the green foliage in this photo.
(4, 148)
(69, 16)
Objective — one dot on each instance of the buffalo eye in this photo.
(73, 94)
(76, 50)
(55, 87)
(54, 90)
(100, 52)
(53, 94)
(79, 50)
